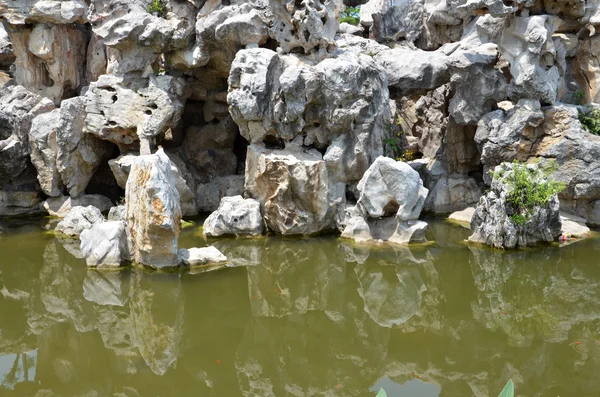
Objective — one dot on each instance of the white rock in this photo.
(105, 244)
(201, 256)
(235, 216)
(463, 218)
(79, 219)
(117, 213)
(153, 210)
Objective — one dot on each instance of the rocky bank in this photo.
(277, 102)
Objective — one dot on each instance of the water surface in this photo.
(302, 317)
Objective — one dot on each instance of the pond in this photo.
(302, 317)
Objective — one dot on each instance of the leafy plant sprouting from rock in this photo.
(157, 8)
(530, 187)
(351, 15)
(591, 121)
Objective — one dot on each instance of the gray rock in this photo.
(61, 206)
(153, 211)
(296, 192)
(394, 20)
(117, 213)
(491, 224)
(6, 53)
(209, 195)
(79, 219)
(346, 28)
(105, 244)
(201, 256)
(235, 216)
(44, 11)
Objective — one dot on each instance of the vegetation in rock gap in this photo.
(157, 8)
(529, 187)
(591, 121)
(351, 15)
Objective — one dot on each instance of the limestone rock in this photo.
(6, 53)
(20, 202)
(589, 67)
(391, 187)
(201, 256)
(18, 107)
(117, 213)
(79, 219)
(61, 206)
(393, 20)
(294, 188)
(209, 195)
(535, 63)
(281, 97)
(308, 26)
(491, 224)
(235, 216)
(124, 112)
(63, 155)
(105, 244)
(50, 59)
(153, 211)
(346, 28)
(44, 11)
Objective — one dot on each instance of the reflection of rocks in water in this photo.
(156, 303)
(70, 244)
(400, 289)
(242, 251)
(108, 288)
(294, 276)
(531, 295)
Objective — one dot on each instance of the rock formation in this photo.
(235, 216)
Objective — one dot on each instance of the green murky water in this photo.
(313, 317)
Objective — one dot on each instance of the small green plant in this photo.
(591, 121)
(509, 390)
(351, 15)
(579, 97)
(157, 8)
(529, 188)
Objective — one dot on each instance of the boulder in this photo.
(209, 195)
(79, 219)
(296, 193)
(117, 213)
(61, 206)
(492, 223)
(105, 244)
(235, 216)
(201, 256)
(64, 156)
(153, 210)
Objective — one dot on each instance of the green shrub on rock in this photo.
(351, 15)
(157, 8)
(590, 121)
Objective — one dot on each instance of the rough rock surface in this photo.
(294, 188)
(105, 244)
(153, 211)
(201, 256)
(491, 224)
(79, 219)
(209, 195)
(235, 216)
(117, 213)
(61, 206)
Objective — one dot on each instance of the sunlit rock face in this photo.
(235, 216)
(492, 225)
(153, 211)
(79, 219)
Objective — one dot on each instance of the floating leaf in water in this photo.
(381, 393)
(508, 391)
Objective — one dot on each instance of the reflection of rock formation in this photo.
(539, 295)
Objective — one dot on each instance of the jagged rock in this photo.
(389, 188)
(491, 224)
(44, 11)
(79, 219)
(589, 67)
(62, 205)
(63, 155)
(96, 61)
(18, 107)
(283, 97)
(50, 59)
(566, 8)
(535, 63)
(6, 53)
(393, 20)
(153, 210)
(105, 244)
(201, 256)
(209, 195)
(129, 24)
(117, 213)
(308, 26)
(294, 188)
(121, 167)
(123, 112)
(235, 216)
